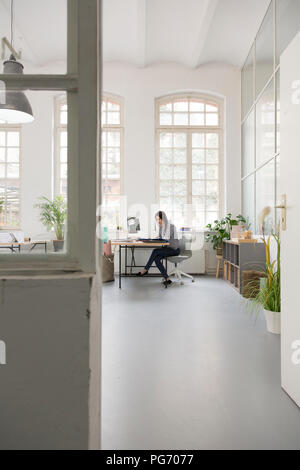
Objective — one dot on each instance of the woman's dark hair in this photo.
(162, 215)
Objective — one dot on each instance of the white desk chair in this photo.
(185, 254)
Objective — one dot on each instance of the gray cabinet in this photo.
(242, 256)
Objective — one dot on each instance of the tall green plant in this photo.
(268, 295)
(53, 214)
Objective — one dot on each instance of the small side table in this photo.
(219, 259)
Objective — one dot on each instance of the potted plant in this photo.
(53, 215)
(217, 234)
(221, 230)
(269, 295)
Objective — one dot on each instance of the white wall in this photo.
(140, 87)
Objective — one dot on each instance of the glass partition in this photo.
(264, 65)
(265, 197)
(277, 78)
(248, 148)
(261, 142)
(265, 126)
(46, 157)
(28, 164)
(278, 189)
(248, 201)
(248, 84)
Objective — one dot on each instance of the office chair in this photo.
(185, 253)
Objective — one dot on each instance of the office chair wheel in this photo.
(193, 280)
(182, 283)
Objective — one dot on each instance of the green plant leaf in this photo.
(53, 214)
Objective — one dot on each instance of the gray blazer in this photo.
(169, 233)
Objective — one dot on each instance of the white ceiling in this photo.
(191, 32)
(142, 32)
(40, 30)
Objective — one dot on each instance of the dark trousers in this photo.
(158, 255)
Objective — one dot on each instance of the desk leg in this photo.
(132, 259)
(120, 265)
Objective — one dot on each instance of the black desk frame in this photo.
(16, 247)
(133, 262)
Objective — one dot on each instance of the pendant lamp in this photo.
(14, 105)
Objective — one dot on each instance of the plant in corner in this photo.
(217, 234)
(53, 215)
(269, 294)
(220, 230)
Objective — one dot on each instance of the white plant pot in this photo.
(273, 320)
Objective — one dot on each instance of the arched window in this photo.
(189, 158)
(112, 158)
(112, 154)
(61, 160)
(10, 163)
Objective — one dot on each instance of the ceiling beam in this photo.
(142, 33)
(205, 20)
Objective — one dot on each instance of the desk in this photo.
(16, 246)
(13, 246)
(125, 244)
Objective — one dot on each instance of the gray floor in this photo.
(188, 368)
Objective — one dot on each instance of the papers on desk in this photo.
(126, 240)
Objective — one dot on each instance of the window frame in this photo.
(82, 82)
(113, 127)
(15, 128)
(59, 101)
(189, 130)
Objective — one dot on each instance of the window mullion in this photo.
(189, 168)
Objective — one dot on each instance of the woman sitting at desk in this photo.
(167, 232)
